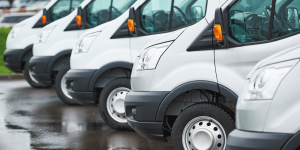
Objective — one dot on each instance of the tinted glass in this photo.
(10, 20)
(75, 4)
(21, 18)
(155, 15)
(187, 12)
(289, 22)
(249, 20)
(119, 7)
(98, 12)
(60, 9)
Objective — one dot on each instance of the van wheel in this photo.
(202, 126)
(31, 80)
(111, 103)
(61, 86)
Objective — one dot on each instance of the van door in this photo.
(251, 38)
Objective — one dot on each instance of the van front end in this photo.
(267, 110)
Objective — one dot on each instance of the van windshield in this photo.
(156, 14)
(63, 8)
(102, 11)
(250, 19)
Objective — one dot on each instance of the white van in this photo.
(20, 40)
(267, 111)
(100, 69)
(53, 46)
(188, 86)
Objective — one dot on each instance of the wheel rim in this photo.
(32, 78)
(115, 104)
(63, 85)
(204, 133)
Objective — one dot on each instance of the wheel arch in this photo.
(293, 142)
(189, 86)
(25, 55)
(106, 73)
(105, 68)
(59, 60)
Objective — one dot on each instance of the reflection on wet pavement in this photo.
(37, 119)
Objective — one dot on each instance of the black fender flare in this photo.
(293, 142)
(102, 69)
(194, 85)
(22, 55)
(56, 57)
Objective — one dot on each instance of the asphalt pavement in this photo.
(36, 119)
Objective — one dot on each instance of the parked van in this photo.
(267, 110)
(188, 86)
(53, 46)
(100, 70)
(20, 40)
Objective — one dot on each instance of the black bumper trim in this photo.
(12, 61)
(245, 140)
(78, 82)
(13, 58)
(83, 98)
(38, 68)
(150, 130)
(146, 104)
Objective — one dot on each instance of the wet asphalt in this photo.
(37, 119)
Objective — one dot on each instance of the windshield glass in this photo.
(63, 8)
(101, 11)
(250, 19)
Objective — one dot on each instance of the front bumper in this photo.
(12, 59)
(38, 68)
(245, 140)
(78, 82)
(144, 121)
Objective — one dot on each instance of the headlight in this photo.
(43, 35)
(16, 29)
(83, 44)
(150, 56)
(265, 81)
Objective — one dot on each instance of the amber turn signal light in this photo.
(131, 25)
(78, 20)
(218, 32)
(44, 19)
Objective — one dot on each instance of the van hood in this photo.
(95, 29)
(285, 55)
(56, 22)
(169, 37)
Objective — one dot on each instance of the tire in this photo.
(111, 103)
(206, 121)
(29, 78)
(60, 86)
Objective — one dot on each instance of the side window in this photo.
(60, 9)
(75, 4)
(98, 12)
(155, 16)
(187, 12)
(289, 22)
(119, 7)
(249, 20)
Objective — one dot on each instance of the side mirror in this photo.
(132, 22)
(79, 17)
(197, 12)
(44, 17)
(218, 28)
(292, 17)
